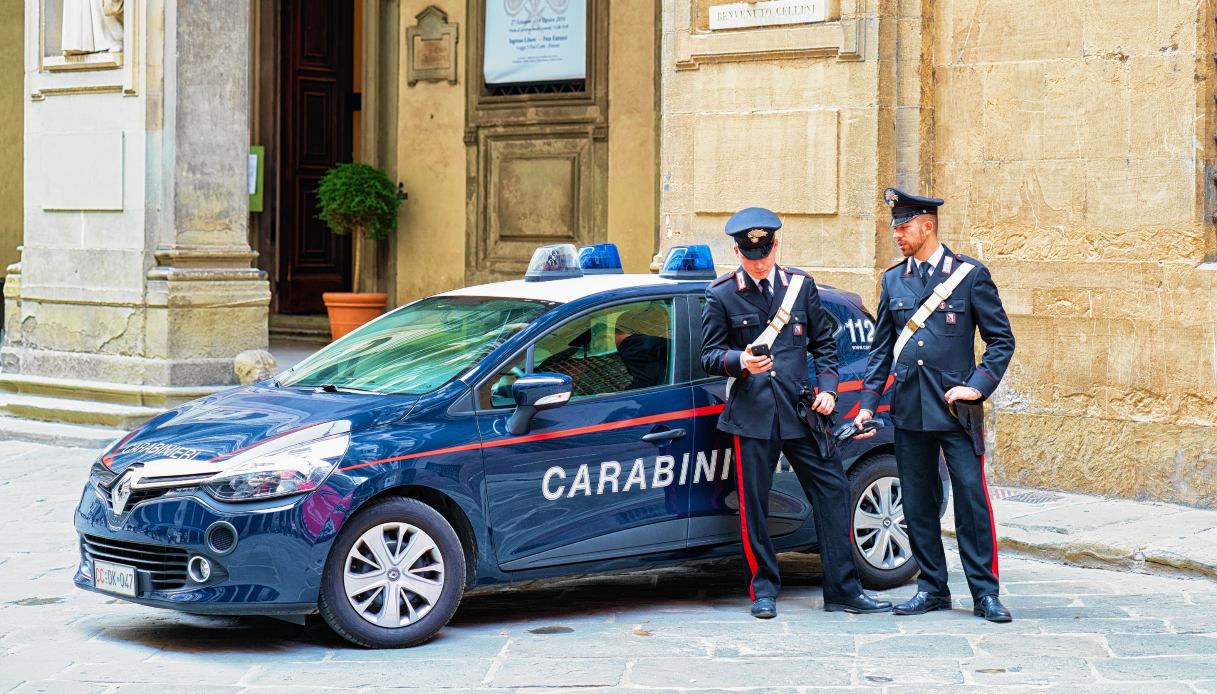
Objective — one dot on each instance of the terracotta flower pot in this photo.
(349, 310)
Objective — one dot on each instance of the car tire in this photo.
(374, 593)
(878, 535)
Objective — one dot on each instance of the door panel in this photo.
(583, 484)
(537, 154)
(315, 135)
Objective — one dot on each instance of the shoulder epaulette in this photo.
(797, 271)
(902, 262)
(968, 259)
(722, 278)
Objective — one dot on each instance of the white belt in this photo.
(941, 293)
(779, 320)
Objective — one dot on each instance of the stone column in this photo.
(135, 282)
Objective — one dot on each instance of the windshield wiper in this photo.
(331, 388)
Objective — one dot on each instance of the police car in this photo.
(536, 428)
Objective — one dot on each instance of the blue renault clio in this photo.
(555, 425)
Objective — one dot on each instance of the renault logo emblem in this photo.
(121, 492)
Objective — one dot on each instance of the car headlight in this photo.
(292, 469)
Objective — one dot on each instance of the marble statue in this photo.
(92, 26)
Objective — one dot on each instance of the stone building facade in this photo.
(146, 265)
(1074, 144)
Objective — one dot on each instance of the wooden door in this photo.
(538, 155)
(315, 134)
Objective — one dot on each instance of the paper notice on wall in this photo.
(535, 41)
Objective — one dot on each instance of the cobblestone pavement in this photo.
(1076, 629)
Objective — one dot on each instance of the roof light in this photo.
(600, 259)
(692, 262)
(556, 262)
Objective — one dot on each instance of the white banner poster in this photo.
(535, 41)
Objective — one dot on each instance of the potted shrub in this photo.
(360, 200)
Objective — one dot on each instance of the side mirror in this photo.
(536, 392)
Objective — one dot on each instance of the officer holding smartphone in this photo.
(759, 324)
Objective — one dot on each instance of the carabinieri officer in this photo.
(937, 383)
(762, 408)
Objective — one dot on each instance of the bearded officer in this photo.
(762, 409)
(937, 382)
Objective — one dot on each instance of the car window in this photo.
(418, 347)
(613, 350)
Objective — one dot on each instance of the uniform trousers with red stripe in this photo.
(921, 491)
(824, 483)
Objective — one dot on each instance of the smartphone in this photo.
(760, 350)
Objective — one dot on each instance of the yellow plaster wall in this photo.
(632, 144)
(12, 93)
(432, 157)
(431, 162)
(1071, 142)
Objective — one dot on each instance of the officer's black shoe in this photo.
(859, 604)
(991, 609)
(765, 608)
(923, 602)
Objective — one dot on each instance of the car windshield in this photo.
(419, 347)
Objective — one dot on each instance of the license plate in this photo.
(114, 578)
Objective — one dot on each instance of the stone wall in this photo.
(785, 118)
(135, 281)
(1071, 141)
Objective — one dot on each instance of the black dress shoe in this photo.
(859, 604)
(923, 602)
(765, 608)
(991, 609)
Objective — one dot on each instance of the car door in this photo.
(714, 507)
(601, 476)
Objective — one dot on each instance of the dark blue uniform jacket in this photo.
(736, 313)
(941, 355)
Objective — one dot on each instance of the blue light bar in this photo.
(692, 262)
(556, 262)
(600, 259)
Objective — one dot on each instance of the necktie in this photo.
(923, 271)
(765, 291)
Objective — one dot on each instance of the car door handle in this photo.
(665, 435)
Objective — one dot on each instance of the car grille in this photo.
(165, 565)
(137, 497)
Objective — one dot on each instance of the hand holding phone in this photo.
(761, 350)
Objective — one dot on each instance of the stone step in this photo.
(308, 328)
(81, 412)
(57, 433)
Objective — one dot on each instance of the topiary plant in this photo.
(358, 199)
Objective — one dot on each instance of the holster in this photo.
(971, 414)
(820, 425)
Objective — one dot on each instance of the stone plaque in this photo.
(719, 15)
(431, 48)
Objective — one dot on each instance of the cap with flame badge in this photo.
(753, 229)
(905, 207)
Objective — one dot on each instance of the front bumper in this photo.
(274, 567)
